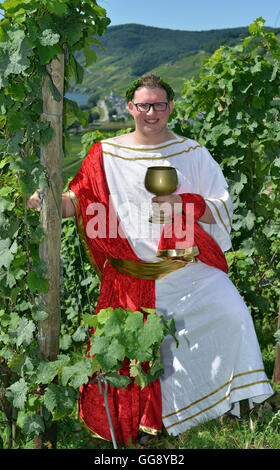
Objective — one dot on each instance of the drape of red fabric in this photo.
(176, 235)
(133, 406)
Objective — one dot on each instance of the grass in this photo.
(252, 433)
(257, 430)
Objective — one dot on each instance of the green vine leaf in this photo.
(25, 332)
(17, 52)
(49, 38)
(60, 400)
(121, 334)
(152, 332)
(57, 7)
(47, 53)
(36, 283)
(6, 256)
(78, 373)
(80, 334)
(118, 381)
(17, 393)
(33, 424)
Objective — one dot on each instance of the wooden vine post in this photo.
(51, 211)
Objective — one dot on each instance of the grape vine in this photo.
(32, 34)
(233, 108)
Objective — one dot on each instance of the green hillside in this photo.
(176, 72)
(132, 50)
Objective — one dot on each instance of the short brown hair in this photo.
(149, 81)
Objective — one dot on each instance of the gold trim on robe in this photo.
(145, 149)
(188, 255)
(152, 157)
(213, 393)
(90, 431)
(147, 430)
(218, 212)
(146, 270)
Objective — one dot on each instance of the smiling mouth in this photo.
(151, 121)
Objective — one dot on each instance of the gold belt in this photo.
(158, 269)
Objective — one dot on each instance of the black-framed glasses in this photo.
(145, 107)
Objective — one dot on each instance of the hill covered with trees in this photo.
(131, 50)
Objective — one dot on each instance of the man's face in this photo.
(151, 122)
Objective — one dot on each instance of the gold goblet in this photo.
(161, 181)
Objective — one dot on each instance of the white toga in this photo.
(218, 361)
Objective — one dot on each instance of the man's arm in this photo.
(175, 201)
(207, 217)
(68, 209)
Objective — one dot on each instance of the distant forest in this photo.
(132, 50)
(148, 47)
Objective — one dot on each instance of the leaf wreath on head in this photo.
(137, 83)
(131, 90)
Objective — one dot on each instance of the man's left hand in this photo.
(169, 205)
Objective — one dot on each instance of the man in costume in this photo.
(218, 362)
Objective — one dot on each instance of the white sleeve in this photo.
(214, 188)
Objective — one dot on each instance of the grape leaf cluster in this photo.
(123, 334)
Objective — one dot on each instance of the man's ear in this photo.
(130, 107)
(171, 106)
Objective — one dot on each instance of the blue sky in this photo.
(192, 15)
